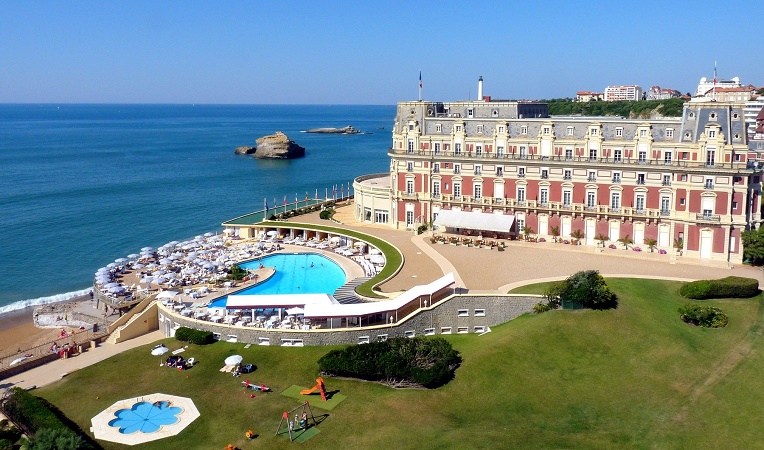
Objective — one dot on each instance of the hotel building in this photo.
(689, 183)
(616, 93)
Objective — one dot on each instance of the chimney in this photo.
(480, 88)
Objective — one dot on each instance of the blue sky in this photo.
(361, 52)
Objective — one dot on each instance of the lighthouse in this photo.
(480, 88)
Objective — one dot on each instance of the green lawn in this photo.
(635, 377)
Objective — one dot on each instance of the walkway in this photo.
(54, 371)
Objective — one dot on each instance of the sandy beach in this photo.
(17, 330)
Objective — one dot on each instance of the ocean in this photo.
(83, 185)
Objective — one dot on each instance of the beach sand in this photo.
(17, 330)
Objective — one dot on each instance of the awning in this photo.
(474, 220)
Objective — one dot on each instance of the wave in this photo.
(43, 300)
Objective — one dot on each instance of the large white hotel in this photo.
(689, 183)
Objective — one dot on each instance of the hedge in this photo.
(399, 362)
(35, 416)
(729, 287)
(192, 336)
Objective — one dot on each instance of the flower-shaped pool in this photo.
(145, 417)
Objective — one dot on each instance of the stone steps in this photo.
(345, 294)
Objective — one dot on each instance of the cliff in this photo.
(278, 146)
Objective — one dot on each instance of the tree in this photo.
(626, 241)
(651, 243)
(577, 235)
(555, 233)
(753, 246)
(527, 232)
(602, 238)
(589, 289)
(679, 244)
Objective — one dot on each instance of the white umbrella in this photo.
(233, 360)
(165, 261)
(208, 234)
(111, 285)
(18, 360)
(138, 266)
(359, 244)
(166, 295)
(272, 233)
(377, 259)
(374, 251)
(112, 265)
(159, 351)
(295, 311)
(147, 279)
(228, 231)
(190, 271)
(147, 249)
(121, 260)
(133, 255)
(335, 239)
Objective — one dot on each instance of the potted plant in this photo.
(678, 245)
(577, 235)
(626, 241)
(602, 238)
(651, 243)
(555, 234)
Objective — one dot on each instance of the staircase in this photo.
(148, 313)
(345, 294)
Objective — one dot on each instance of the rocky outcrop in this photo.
(346, 130)
(278, 146)
(245, 150)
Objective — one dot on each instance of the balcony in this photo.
(591, 179)
(567, 177)
(409, 195)
(617, 180)
(708, 185)
(665, 212)
(521, 175)
(666, 183)
(708, 218)
(614, 210)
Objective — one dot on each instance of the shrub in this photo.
(586, 288)
(398, 362)
(421, 229)
(192, 336)
(326, 214)
(38, 418)
(729, 287)
(539, 308)
(703, 316)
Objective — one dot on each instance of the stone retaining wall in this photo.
(455, 314)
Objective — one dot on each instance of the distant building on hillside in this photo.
(588, 96)
(705, 85)
(740, 94)
(658, 93)
(616, 93)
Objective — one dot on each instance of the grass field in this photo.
(635, 377)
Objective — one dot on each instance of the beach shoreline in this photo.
(18, 331)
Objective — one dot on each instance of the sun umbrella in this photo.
(374, 251)
(228, 231)
(166, 295)
(165, 261)
(208, 234)
(18, 360)
(121, 260)
(147, 249)
(233, 360)
(335, 239)
(147, 279)
(111, 285)
(138, 266)
(133, 255)
(159, 351)
(377, 259)
(295, 311)
(112, 265)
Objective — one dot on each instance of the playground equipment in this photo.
(255, 386)
(301, 422)
(319, 386)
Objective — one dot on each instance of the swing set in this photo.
(301, 422)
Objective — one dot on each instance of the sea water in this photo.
(83, 185)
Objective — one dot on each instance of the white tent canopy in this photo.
(475, 220)
(275, 301)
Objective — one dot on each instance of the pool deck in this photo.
(103, 431)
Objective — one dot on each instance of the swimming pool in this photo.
(145, 417)
(296, 273)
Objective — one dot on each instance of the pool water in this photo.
(296, 273)
(145, 417)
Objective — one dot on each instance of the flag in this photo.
(265, 200)
(420, 79)
(296, 200)
(285, 200)
(342, 191)
(316, 194)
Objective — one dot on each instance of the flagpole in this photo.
(420, 85)
(714, 95)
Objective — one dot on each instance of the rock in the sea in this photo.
(346, 130)
(245, 150)
(278, 146)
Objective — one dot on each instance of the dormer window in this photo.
(524, 129)
(458, 128)
(712, 134)
(501, 128)
(411, 127)
(570, 131)
(480, 129)
(619, 132)
(593, 132)
(669, 133)
(642, 133)
(438, 128)
(546, 130)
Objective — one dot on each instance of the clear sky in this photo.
(365, 52)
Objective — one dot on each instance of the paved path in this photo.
(55, 370)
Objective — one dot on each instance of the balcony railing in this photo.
(708, 218)
(741, 165)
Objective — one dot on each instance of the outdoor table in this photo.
(186, 312)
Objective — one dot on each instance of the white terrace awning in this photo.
(245, 301)
(475, 220)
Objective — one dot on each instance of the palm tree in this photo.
(577, 235)
(602, 238)
(626, 240)
(651, 243)
(527, 232)
(678, 245)
(555, 233)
